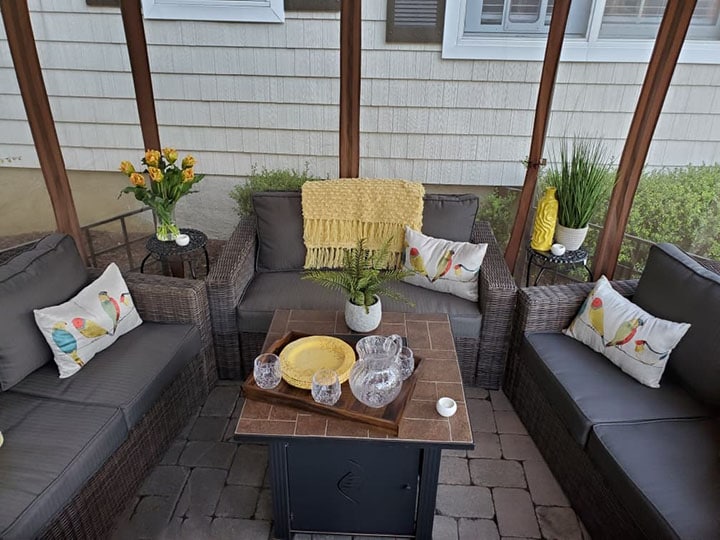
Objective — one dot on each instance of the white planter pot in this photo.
(358, 320)
(572, 239)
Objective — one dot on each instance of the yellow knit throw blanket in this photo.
(337, 213)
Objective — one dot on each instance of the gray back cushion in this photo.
(675, 287)
(47, 275)
(449, 216)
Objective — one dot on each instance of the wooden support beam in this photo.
(556, 34)
(18, 28)
(350, 58)
(140, 65)
(670, 38)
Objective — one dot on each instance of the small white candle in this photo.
(182, 240)
(557, 249)
(446, 406)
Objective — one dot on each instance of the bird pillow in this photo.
(627, 335)
(88, 323)
(442, 265)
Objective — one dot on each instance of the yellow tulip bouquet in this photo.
(167, 184)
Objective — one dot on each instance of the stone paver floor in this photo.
(208, 487)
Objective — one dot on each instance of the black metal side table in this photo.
(173, 257)
(545, 260)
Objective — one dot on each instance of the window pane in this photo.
(641, 19)
(522, 17)
(492, 12)
(524, 11)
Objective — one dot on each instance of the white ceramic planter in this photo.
(358, 320)
(572, 239)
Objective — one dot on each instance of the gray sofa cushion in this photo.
(47, 275)
(586, 389)
(449, 216)
(51, 449)
(280, 231)
(673, 286)
(287, 290)
(667, 474)
(130, 375)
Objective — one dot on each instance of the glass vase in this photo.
(166, 229)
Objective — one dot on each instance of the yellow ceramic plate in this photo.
(303, 357)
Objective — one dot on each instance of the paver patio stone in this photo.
(481, 415)
(237, 502)
(544, 489)
(478, 529)
(202, 492)
(166, 480)
(152, 515)
(172, 455)
(220, 402)
(487, 445)
(188, 427)
(454, 453)
(497, 473)
(249, 465)
(499, 400)
(558, 523)
(515, 513)
(464, 501)
(213, 454)
(208, 428)
(232, 529)
(475, 392)
(445, 528)
(519, 447)
(193, 528)
(263, 510)
(454, 470)
(509, 422)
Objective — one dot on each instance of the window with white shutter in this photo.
(415, 21)
(641, 19)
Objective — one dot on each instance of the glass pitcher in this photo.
(375, 379)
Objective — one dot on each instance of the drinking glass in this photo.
(267, 370)
(406, 362)
(325, 387)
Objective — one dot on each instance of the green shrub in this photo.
(498, 208)
(267, 180)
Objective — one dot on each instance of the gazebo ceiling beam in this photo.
(553, 48)
(350, 64)
(666, 51)
(21, 41)
(140, 66)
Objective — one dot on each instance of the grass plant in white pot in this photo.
(363, 278)
(582, 177)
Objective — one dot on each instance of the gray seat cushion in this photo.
(129, 375)
(586, 389)
(673, 286)
(449, 216)
(667, 474)
(51, 449)
(47, 275)
(286, 290)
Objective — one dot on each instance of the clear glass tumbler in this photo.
(325, 387)
(267, 370)
(406, 362)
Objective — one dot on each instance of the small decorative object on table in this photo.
(325, 387)
(446, 406)
(168, 183)
(267, 370)
(545, 221)
(375, 379)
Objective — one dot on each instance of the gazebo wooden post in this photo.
(18, 28)
(350, 62)
(140, 66)
(556, 34)
(670, 38)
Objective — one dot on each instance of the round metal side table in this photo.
(545, 260)
(173, 257)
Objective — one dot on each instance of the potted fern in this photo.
(363, 278)
(582, 177)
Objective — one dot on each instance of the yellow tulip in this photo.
(188, 162)
(137, 179)
(188, 175)
(127, 167)
(155, 174)
(170, 154)
(152, 158)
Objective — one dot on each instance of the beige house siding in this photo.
(239, 94)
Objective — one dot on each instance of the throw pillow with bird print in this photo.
(88, 323)
(443, 265)
(630, 337)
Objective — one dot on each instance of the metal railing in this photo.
(126, 245)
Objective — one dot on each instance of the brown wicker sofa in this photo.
(260, 267)
(635, 462)
(77, 449)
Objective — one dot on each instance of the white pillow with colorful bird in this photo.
(632, 339)
(88, 323)
(442, 265)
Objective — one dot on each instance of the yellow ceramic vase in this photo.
(545, 221)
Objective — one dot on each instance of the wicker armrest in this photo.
(226, 283)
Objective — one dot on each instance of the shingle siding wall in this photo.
(237, 94)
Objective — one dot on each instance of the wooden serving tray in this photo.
(347, 407)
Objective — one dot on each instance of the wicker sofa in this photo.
(77, 449)
(260, 267)
(635, 462)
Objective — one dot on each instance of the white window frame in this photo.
(457, 45)
(267, 11)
